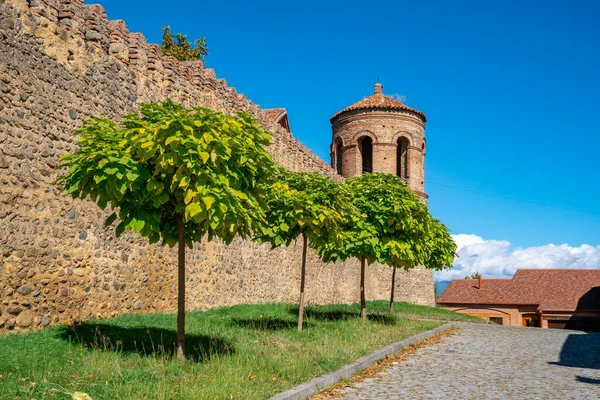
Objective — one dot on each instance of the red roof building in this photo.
(548, 298)
(278, 116)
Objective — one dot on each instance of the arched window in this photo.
(402, 158)
(338, 158)
(366, 151)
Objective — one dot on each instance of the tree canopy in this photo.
(168, 160)
(174, 174)
(441, 248)
(303, 203)
(309, 205)
(181, 48)
(390, 225)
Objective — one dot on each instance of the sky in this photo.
(511, 91)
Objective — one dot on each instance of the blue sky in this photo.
(511, 91)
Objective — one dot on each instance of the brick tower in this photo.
(380, 134)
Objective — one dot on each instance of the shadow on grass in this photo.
(147, 342)
(264, 324)
(383, 319)
(338, 315)
(276, 324)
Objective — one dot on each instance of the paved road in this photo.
(494, 362)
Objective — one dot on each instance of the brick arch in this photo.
(337, 149)
(365, 151)
(404, 134)
(403, 144)
(364, 133)
(337, 140)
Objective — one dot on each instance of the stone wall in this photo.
(62, 61)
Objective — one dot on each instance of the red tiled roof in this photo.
(379, 101)
(466, 291)
(274, 114)
(550, 289)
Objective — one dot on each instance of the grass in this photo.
(417, 310)
(240, 352)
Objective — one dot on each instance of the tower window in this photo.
(366, 151)
(402, 158)
(338, 158)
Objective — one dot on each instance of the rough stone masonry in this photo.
(62, 61)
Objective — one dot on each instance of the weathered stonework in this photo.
(62, 61)
(385, 121)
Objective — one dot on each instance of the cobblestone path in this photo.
(494, 362)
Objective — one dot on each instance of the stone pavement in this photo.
(494, 362)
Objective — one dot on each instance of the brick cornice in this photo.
(367, 116)
(378, 102)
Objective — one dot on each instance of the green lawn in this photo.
(241, 352)
(417, 310)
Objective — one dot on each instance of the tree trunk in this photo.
(302, 280)
(363, 305)
(392, 292)
(181, 290)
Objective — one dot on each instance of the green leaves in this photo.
(110, 219)
(181, 48)
(192, 210)
(166, 160)
(208, 201)
(184, 181)
(204, 156)
(155, 186)
(390, 226)
(299, 202)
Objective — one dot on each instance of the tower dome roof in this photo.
(379, 101)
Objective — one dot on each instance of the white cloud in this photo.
(398, 97)
(496, 259)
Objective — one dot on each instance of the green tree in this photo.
(390, 226)
(173, 174)
(474, 275)
(181, 48)
(437, 254)
(307, 205)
